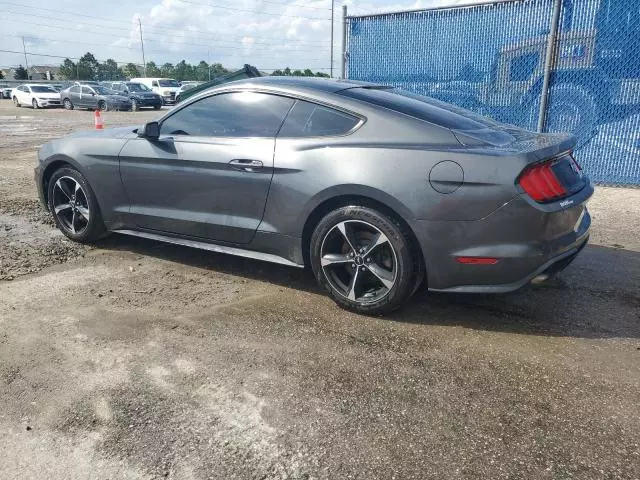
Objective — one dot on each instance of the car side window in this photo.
(75, 89)
(87, 90)
(237, 114)
(311, 120)
(154, 83)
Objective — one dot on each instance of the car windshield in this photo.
(168, 83)
(104, 90)
(43, 89)
(137, 87)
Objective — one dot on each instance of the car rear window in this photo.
(311, 120)
(421, 107)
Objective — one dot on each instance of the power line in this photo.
(128, 29)
(235, 47)
(212, 5)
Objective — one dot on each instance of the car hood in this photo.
(53, 95)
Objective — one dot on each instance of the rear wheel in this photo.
(74, 206)
(67, 104)
(365, 259)
(157, 107)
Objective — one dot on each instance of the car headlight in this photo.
(166, 93)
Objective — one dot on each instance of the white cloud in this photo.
(287, 35)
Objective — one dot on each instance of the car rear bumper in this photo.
(526, 242)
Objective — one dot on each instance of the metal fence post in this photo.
(549, 63)
(343, 73)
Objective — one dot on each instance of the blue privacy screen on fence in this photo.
(492, 59)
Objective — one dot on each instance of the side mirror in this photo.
(150, 130)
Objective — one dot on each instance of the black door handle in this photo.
(245, 165)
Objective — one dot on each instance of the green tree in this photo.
(153, 70)
(202, 71)
(182, 71)
(108, 70)
(1, 75)
(21, 73)
(68, 69)
(167, 70)
(87, 67)
(131, 70)
(287, 71)
(277, 73)
(320, 74)
(217, 70)
(297, 73)
(307, 73)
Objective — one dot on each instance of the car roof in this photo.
(308, 83)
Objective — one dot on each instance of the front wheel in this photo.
(74, 206)
(67, 104)
(365, 259)
(134, 105)
(34, 104)
(102, 106)
(16, 102)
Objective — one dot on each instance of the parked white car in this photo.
(35, 95)
(167, 88)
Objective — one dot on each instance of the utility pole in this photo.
(26, 62)
(144, 62)
(343, 60)
(333, 4)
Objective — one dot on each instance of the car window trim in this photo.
(295, 97)
(358, 124)
(275, 135)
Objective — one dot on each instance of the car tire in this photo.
(74, 206)
(34, 104)
(373, 247)
(157, 107)
(68, 105)
(16, 102)
(102, 106)
(134, 105)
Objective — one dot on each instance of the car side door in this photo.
(209, 172)
(22, 94)
(88, 97)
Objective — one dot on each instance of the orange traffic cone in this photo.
(97, 118)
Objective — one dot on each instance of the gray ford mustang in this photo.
(375, 188)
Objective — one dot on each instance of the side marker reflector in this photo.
(477, 260)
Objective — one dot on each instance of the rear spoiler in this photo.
(247, 71)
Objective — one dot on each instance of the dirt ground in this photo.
(134, 359)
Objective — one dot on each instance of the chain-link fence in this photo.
(493, 59)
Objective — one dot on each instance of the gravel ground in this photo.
(133, 359)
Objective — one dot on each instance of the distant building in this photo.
(36, 72)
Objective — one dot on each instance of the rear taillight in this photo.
(541, 183)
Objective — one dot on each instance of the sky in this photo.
(269, 34)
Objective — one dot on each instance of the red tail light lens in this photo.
(541, 183)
